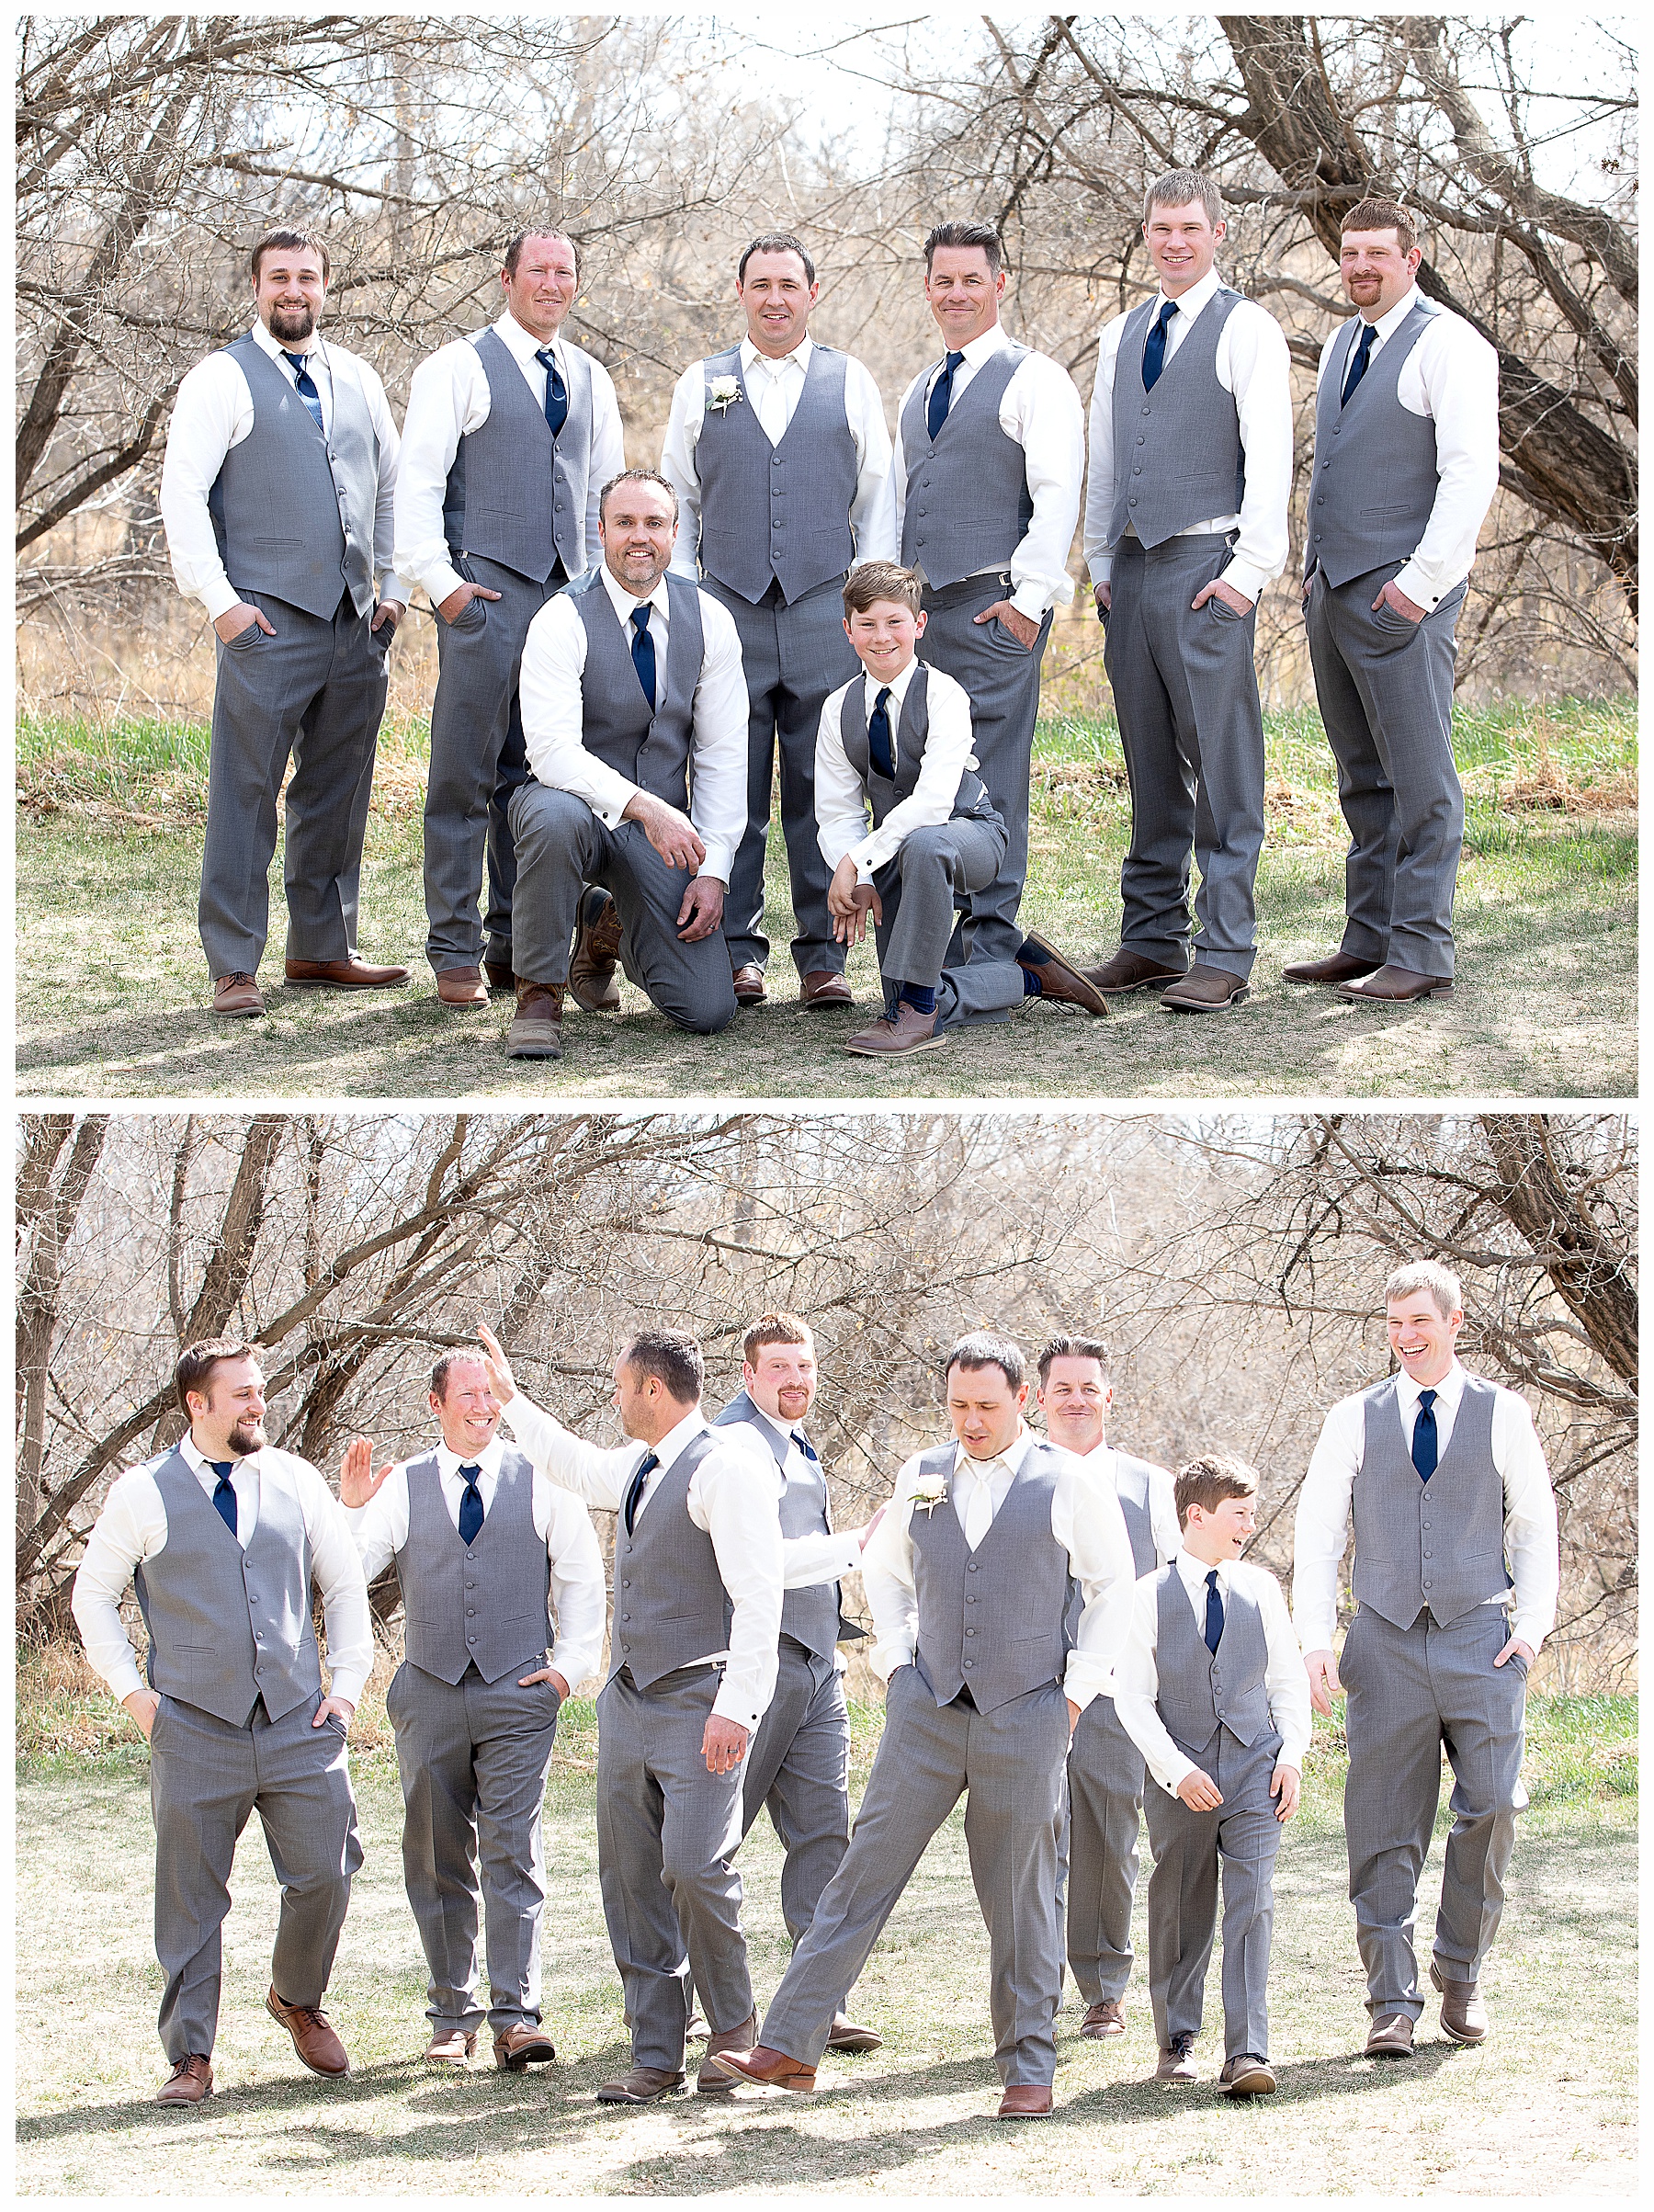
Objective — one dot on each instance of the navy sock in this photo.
(1032, 986)
(919, 998)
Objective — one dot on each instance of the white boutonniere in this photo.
(723, 393)
(929, 1492)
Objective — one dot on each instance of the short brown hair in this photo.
(1073, 1347)
(1182, 188)
(1207, 1481)
(776, 242)
(967, 234)
(872, 580)
(1445, 1292)
(514, 247)
(288, 241)
(1383, 215)
(448, 1362)
(635, 476)
(672, 1357)
(982, 1349)
(197, 1361)
(774, 1329)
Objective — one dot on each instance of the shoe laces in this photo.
(1182, 2044)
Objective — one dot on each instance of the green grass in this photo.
(109, 853)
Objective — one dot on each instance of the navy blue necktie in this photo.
(1424, 1436)
(880, 752)
(224, 1497)
(471, 1506)
(306, 388)
(1214, 1628)
(643, 652)
(1154, 350)
(634, 1489)
(1369, 331)
(804, 1445)
(941, 397)
(557, 398)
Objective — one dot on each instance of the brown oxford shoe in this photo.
(1246, 2076)
(909, 1032)
(1464, 2015)
(1396, 986)
(452, 2046)
(1336, 968)
(237, 994)
(844, 2035)
(770, 2068)
(536, 1031)
(1058, 978)
(1390, 2038)
(353, 974)
(313, 2039)
(1206, 990)
(462, 987)
(641, 2085)
(825, 987)
(1026, 2102)
(1104, 2019)
(748, 985)
(1176, 2060)
(524, 2043)
(711, 2081)
(189, 2082)
(499, 976)
(1125, 970)
(591, 979)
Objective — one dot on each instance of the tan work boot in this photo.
(711, 2081)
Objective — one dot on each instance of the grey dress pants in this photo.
(1106, 1795)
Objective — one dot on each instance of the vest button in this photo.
(970, 1566)
(1142, 441)
(1132, 501)
(471, 1639)
(626, 1583)
(970, 1662)
(971, 1599)
(1146, 411)
(626, 1616)
(1138, 470)
(971, 1631)
(1429, 1555)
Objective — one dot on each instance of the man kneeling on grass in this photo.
(895, 742)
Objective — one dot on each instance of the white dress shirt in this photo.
(734, 1497)
(448, 399)
(212, 412)
(1040, 409)
(132, 1528)
(1136, 1678)
(1086, 1522)
(1324, 1503)
(554, 655)
(842, 814)
(579, 1594)
(774, 390)
(1451, 378)
(1252, 364)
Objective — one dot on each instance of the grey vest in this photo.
(1201, 1691)
(991, 1620)
(1439, 1543)
(651, 749)
(495, 501)
(1178, 456)
(228, 1626)
(972, 802)
(813, 1617)
(968, 506)
(1375, 480)
(1132, 1487)
(487, 1604)
(671, 1607)
(293, 510)
(777, 514)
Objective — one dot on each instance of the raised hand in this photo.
(358, 1482)
(499, 1379)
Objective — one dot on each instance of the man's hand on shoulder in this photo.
(673, 835)
(702, 909)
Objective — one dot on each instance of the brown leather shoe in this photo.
(189, 2082)
(641, 2085)
(1176, 2061)
(1127, 970)
(909, 1032)
(237, 994)
(1206, 990)
(536, 1032)
(353, 974)
(452, 2046)
(498, 976)
(591, 979)
(1336, 968)
(313, 2040)
(1390, 2038)
(524, 2043)
(825, 987)
(462, 987)
(770, 2068)
(748, 985)
(711, 2081)
(1246, 2076)
(1464, 2015)
(1104, 2019)
(1025, 2102)
(844, 2035)
(1396, 986)
(1058, 978)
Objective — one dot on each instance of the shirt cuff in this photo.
(218, 599)
(1242, 576)
(1179, 1774)
(1084, 1680)
(1530, 1633)
(1102, 568)
(392, 587)
(1415, 584)
(885, 1658)
(719, 863)
(442, 581)
(1028, 600)
(348, 1683)
(736, 1705)
(125, 1680)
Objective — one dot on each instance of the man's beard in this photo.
(245, 1438)
(291, 323)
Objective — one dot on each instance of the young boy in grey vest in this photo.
(906, 824)
(1212, 1691)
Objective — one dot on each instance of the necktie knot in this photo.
(941, 397)
(304, 385)
(804, 1445)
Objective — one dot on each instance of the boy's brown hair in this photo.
(873, 580)
(1207, 1481)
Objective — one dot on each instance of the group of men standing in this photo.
(626, 654)
(1039, 1627)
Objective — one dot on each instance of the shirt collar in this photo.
(986, 345)
(1194, 1572)
(751, 358)
(777, 1429)
(623, 601)
(1448, 1392)
(523, 344)
(872, 686)
(1192, 301)
(1015, 1453)
(203, 1466)
(273, 346)
(449, 1463)
(1389, 323)
(675, 1442)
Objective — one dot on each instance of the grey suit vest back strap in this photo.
(972, 802)
(292, 509)
(1178, 456)
(671, 1606)
(651, 749)
(228, 1626)
(1438, 1544)
(1375, 477)
(514, 494)
(486, 1604)
(1201, 1691)
(810, 1616)
(778, 513)
(968, 503)
(992, 1620)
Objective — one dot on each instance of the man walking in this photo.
(778, 450)
(223, 1538)
(276, 493)
(1454, 1578)
(487, 1552)
(508, 435)
(1408, 401)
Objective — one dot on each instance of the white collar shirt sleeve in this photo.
(888, 1577)
(948, 752)
(1087, 1521)
(841, 799)
(735, 1497)
(131, 1528)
